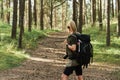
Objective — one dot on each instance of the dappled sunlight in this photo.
(54, 50)
(58, 36)
(96, 42)
(58, 65)
(113, 51)
(116, 38)
(105, 66)
(45, 60)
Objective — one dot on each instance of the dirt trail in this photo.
(47, 63)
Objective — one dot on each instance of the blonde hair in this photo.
(73, 26)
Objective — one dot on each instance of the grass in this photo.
(31, 38)
(8, 60)
(102, 53)
(10, 55)
(116, 74)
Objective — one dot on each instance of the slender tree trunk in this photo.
(66, 13)
(35, 13)
(30, 16)
(20, 13)
(116, 7)
(63, 16)
(51, 15)
(112, 8)
(2, 9)
(26, 14)
(74, 12)
(104, 9)
(55, 15)
(8, 14)
(84, 11)
(80, 16)
(119, 18)
(21, 21)
(108, 24)
(100, 15)
(93, 12)
(41, 16)
(14, 23)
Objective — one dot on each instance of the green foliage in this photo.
(116, 73)
(102, 53)
(8, 60)
(31, 38)
(10, 56)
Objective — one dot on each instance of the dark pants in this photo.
(69, 70)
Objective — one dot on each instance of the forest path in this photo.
(47, 63)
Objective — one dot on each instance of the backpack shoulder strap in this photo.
(76, 34)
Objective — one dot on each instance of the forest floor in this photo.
(46, 63)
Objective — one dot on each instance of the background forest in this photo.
(23, 23)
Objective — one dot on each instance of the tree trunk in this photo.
(66, 12)
(51, 15)
(100, 15)
(21, 21)
(93, 12)
(74, 12)
(119, 18)
(104, 9)
(8, 14)
(63, 16)
(30, 16)
(84, 11)
(2, 13)
(80, 16)
(14, 23)
(35, 13)
(108, 24)
(55, 15)
(116, 7)
(41, 16)
(112, 8)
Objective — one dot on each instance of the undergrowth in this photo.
(10, 55)
(102, 53)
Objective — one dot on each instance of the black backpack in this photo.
(84, 50)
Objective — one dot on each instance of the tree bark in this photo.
(80, 16)
(2, 14)
(21, 21)
(93, 12)
(35, 13)
(55, 19)
(84, 12)
(14, 22)
(30, 16)
(63, 16)
(119, 18)
(116, 7)
(104, 9)
(108, 24)
(51, 14)
(112, 8)
(100, 15)
(74, 12)
(41, 16)
(8, 14)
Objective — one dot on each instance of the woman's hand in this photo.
(65, 42)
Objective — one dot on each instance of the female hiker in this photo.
(72, 64)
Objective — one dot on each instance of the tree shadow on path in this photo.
(46, 63)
